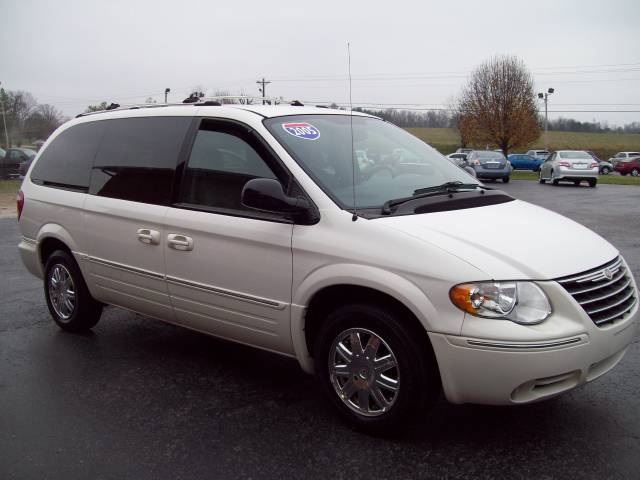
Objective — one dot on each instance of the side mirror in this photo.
(267, 195)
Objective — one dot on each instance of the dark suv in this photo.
(14, 157)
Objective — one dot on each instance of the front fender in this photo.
(394, 285)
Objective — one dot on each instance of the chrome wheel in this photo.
(62, 292)
(364, 372)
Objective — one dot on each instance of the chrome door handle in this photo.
(150, 237)
(180, 242)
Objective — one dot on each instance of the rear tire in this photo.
(70, 304)
(576, 182)
(540, 179)
(593, 183)
(350, 375)
(505, 179)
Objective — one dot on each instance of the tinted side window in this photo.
(220, 164)
(137, 158)
(67, 161)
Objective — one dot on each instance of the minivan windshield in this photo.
(388, 162)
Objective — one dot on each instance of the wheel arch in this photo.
(332, 286)
(52, 237)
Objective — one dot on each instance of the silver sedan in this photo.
(569, 166)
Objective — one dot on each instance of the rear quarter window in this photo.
(66, 162)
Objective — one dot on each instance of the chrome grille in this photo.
(606, 293)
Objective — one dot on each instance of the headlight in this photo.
(520, 302)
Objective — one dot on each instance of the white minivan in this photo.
(393, 279)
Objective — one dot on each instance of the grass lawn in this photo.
(8, 190)
(604, 179)
(605, 145)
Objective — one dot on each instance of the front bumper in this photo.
(530, 363)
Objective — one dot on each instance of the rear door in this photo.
(545, 168)
(130, 188)
(229, 268)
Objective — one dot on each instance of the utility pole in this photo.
(4, 118)
(263, 88)
(545, 96)
(166, 91)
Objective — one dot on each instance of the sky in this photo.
(412, 54)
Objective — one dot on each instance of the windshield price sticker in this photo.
(302, 130)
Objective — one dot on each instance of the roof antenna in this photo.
(353, 160)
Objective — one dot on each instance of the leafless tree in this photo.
(497, 106)
(18, 106)
(42, 122)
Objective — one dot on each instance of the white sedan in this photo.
(570, 166)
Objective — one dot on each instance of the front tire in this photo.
(70, 304)
(635, 172)
(375, 369)
(605, 171)
(505, 179)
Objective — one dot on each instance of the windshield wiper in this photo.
(445, 188)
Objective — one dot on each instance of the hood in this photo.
(510, 241)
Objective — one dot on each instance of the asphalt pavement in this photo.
(141, 399)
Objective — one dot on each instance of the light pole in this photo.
(4, 118)
(166, 92)
(545, 97)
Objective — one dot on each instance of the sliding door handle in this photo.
(150, 237)
(180, 242)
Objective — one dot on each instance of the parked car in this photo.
(570, 166)
(2, 153)
(10, 163)
(460, 159)
(522, 161)
(603, 166)
(629, 166)
(490, 165)
(538, 154)
(464, 150)
(621, 156)
(254, 224)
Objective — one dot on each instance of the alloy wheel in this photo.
(62, 292)
(364, 372)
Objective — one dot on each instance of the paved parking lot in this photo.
(142, 399)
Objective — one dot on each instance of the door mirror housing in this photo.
(267, 195)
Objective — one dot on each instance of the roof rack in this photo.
(215, 101)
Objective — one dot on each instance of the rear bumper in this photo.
(508, 373)
(575, 174)
(491, 173)
(28, 249)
